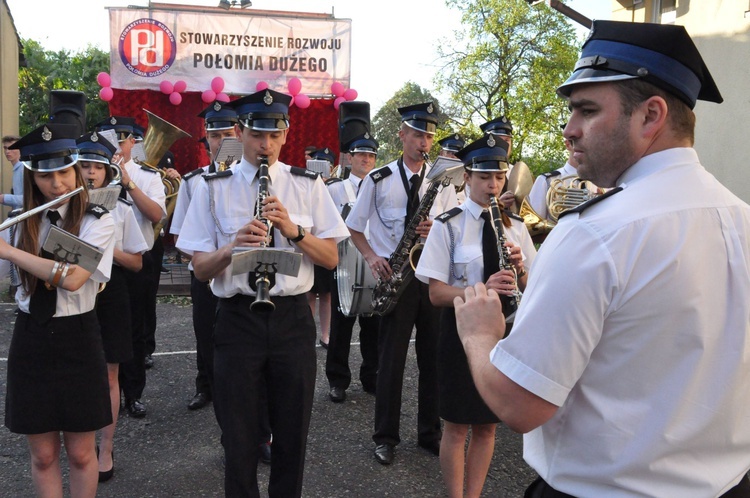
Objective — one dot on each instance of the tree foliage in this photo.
(387, 121)
(509, 61)
(62, 70)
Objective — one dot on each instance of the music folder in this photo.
(447, 167)
(68, 248)
(281, 260)
(229, 151)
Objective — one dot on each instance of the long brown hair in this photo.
(32, 198)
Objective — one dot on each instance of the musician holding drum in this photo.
(463, 248)
(57, 374)
(389, 198)
(276, 345)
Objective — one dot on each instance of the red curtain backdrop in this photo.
(316, 125)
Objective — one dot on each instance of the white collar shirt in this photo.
(635, 323)
(150, 183)
(128, 236)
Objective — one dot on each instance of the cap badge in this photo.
(326, 151)
(268, 98)
(217, 107)
(491, 141)
(456, 136)
(113, 120)
(367, 135)
(46, 134)
(94, 137)
(430, 108)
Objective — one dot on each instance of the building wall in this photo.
(722, 34)
(8, 89)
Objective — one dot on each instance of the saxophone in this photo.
(510, 303)
(386, 292)
(262, 279)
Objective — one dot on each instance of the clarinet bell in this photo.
(262, 303)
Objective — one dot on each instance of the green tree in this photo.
(387, 121)
(61, 70)
(509, 61)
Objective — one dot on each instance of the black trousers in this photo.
(339, 344)
(133, 372)
(279, 347)
(413, 308)
(157, 257)
(204, 317)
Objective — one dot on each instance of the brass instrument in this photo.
(159, 137)
(520, 181)
(535, 224)
(116, 173)
(510, 303)
(404, 259)
(568, 192)
(264, 277)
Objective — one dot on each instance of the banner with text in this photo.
(148, 47)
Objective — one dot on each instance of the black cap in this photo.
(422, 117)
(51, 147)
(219, 116)
(452, 143)
(661, 54)
(498, 126)
(364, 143)
(486, 154)
(323, 155)
(123, 126)
(138, 132)
(266, 110)
(95, 148)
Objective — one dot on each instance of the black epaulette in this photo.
(512, 215)
(550, 174)
(331, 181)
(149, 169)
(448, 214)
(193, 173)
(127, 202)
(218, 174)
(303, 172)
(580, 208)
(96, 210)
(380, 173)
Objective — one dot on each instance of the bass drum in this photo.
(354, 280)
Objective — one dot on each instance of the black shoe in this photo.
(431, 446)
(384, 454)
(135, 408)
(107, 475)
(368, 388)
(324, 345)
(199, 401)
(337, 394)
(265, 453)
(164, 270)
(148, 361)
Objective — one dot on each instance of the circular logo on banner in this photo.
(147, 47)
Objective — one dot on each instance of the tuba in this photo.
(159, 137)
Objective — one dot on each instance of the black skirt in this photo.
(57, 376)
(113, 312)
(460, 401)
(323, 280)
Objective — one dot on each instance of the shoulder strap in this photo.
(380, 173)
(96, 210)
(303, 172)
(580, 208)
(219, 174)
(448, 214)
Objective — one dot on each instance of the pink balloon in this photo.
(103, 79)
(291, 103)
(350, 94)
(166, 87)
(261, 85)
(208, 96)
(222, 97)
(302, 101)
(106, 94)
(217, 84)
(294, 85)
(337, 102)
(175, 98)
(180, 86)
(337, 89)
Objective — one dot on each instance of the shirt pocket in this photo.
(303, 220)
(230, 227)
(468, 262)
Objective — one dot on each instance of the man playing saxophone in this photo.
(388, 199)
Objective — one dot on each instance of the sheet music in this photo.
(138, 153)
(319, 166)
(229, 151)
(447, 166)
(111, 136)
(105, 197)
(70, 249)
(283, 259)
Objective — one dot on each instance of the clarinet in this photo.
(510, 303)
(261, 280)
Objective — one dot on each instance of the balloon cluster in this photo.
(299, 99)
(104, 80)
(173, 90)
(215, 92)
(342, 94)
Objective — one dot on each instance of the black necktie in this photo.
(413, 202)
(43, 303)
(490, 252)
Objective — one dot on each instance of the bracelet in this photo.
(58, 274)
(66, 267)
(55, 267)
(522, 274)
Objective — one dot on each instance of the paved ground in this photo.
(174, 452)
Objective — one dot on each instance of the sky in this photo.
(393, 41)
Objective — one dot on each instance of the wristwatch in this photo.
(130, 186)
(300, 234)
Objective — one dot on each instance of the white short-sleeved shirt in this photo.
(149, 181)
(99, 232)
(345, 191)
(468, 261)
(188, 186)
(128, 236)
(635, 323)
(383, 204)
(306, 200)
